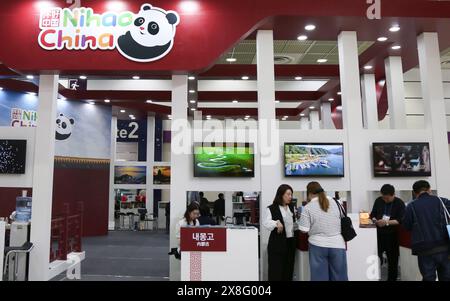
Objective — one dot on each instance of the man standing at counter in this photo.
(387, 212)
(427, 218)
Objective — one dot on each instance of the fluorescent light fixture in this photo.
(382, 39)
(322, 60)
(208, 116)
(235, 101)
(277, 101)
(286, 117)
(149, 101)
(131, 116)
(302, 115)
(310, 27)
(339, 93)
(394, 28)
(368, 67)
(192, 91)
(312, 107)
(302, 38)
(136, 77)
(1, 88)
(245, 77)
(107, 101)
(32, 93)
(83, 77)
(339, 108)
(330, 99)
(122, 111)
(298, 78)
(231, 59)
(396, 47)
(91, 102)
(192, 109)
(247, 116)
(192, 101)
(30, 76)
(191, 77)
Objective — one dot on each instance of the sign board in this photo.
(203, 239)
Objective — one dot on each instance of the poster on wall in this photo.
(401, 160)
(130, 175)
(161, 175)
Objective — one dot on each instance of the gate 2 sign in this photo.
(145, 36)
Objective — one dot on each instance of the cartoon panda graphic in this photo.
(64, 127)
(151, 36)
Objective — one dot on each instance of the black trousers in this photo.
(281, 264)
(388, 242)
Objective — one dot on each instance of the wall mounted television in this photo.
(224, 160)
(314, 160)
(13, 155)
(401, 159)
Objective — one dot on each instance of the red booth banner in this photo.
(203, 239)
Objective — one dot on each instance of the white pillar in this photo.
(396, 92)
(314, 119)
(326, 122)
(433, 97)
(180, 163)
(112, 193)
(44, 156)
(352, 117)
(150, 163)
(304, 123)
(268, 149)
(228, 203)
(369, 99)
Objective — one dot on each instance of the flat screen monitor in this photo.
(224, 160)
(401, 159)
(13, 155)
(314, 160)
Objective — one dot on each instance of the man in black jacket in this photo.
(425, 217)
(387, 213)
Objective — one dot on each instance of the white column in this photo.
(228, 203)
(314, 119)
(396, 92)
(268, 143)
(44, 156)
(304, 123)
(150, 163)
(433, 97)
(112, 193)
(352, 116)
(369, 99)
(180, 163)
(325, 111)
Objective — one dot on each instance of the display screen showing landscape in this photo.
(130, 175)
(401, 160)
(314, 160)
(161, 175)
(13, 156)
(224, 160)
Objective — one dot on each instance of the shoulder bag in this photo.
(347, 230)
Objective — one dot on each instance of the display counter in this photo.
(216, 253)
(362, 255)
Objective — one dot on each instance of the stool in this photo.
(121, 220)
(150, 219)
(130, 220)
(9, 251)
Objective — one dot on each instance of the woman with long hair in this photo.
(280, 220)
(321, 219)
(190, 218)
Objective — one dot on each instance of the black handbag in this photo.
(347, 230)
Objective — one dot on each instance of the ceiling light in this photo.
(1, 88)
(322, 60)
(277, 101)
(32, 93)
(339, 108)
(368, 67)
(191, 77)
(231, 59)
(116, 6)
(302, 115)
(330, 99)
(91, 102)
(302, 38)
(30, 76)
(83, 77)
(298, 78)
(244, 77)
(310, 27)
(131, 116)
(286, 117)
(339, 93)
(235, 101)
(312, 107)
(122, 111)
(192, 109)
(107, 100)
(394, 28)
(208, 116)
(136, 77)
(149, 101)
(382, 39)
(396, 47)
(247, 116)
(192, 101)
(191, 91)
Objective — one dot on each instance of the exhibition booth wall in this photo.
(82, 152)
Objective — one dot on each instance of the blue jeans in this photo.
(437, 263)
(327, 264)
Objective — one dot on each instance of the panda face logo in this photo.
(64, 127)
(150, 36)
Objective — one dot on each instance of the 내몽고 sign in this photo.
(144, 36)
(200, 239)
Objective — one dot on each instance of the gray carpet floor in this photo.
(125, 256)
